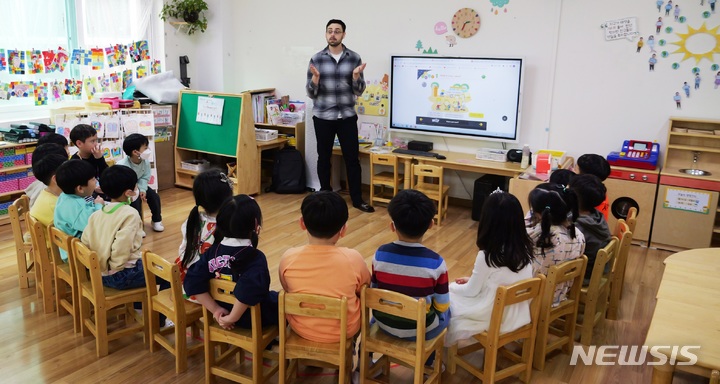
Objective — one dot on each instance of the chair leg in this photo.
(452, 359)
(60, 293)
(364, 364)
(209, 358)
(76, 309)
(153, 323)
(180, 346)
(101, 334)
(540, 346)
(257, 366)
(84, 315)
(527, 358)
(588, 323)
(490, 365)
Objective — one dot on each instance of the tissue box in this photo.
(492, 154)
(265, 134)
(195, 165)
(557, 157)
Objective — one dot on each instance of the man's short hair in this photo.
(117, 179)
(324, 214)
(53, 137)
(45, 168)
(133, 143)
(411, 211)
(336, 21)
(72, 174)
(82, 132)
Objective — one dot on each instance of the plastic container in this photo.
(525, 160)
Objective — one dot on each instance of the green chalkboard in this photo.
(209, 138)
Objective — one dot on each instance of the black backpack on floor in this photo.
(288, 172)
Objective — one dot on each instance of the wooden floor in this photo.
(37, 348)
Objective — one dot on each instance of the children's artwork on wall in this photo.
(142, 123)
(112, 127)
(625, 28)
(112, 150)
(3, 60)
(97, 58)
(127, 78)
(49, 61)
(21, 88)
(497, 5)
(41, 96)
(374, 101)
(450, 40)
(98, 123)
(17, 62)
(111, 54)
(155, 67)
(121, 53)
(61, 58)
(36, 65)
(698, 53)
(64, 125)
(440, 28)
(141, 71)
(91, 87)
(139, 51)
(104, 82)
(56, 91)
(77, 56)
(115, 82)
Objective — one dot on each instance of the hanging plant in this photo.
(190, 11)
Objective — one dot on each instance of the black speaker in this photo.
(484, 186)
(417, 145)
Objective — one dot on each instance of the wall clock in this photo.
(466, 22)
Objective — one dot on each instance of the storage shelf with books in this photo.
(15, 173)
(297, 131)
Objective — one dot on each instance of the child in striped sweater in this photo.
(406, 266)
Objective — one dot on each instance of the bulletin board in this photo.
(209, 138)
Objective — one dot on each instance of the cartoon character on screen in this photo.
(677, 99)
(697, 80)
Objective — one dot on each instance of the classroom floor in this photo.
(35, 347)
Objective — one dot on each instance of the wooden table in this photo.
(688, 312)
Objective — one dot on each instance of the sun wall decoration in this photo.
(698, 43)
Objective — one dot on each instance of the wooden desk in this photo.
(688, 312)
(458, 161)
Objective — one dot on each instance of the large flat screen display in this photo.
(468, 97)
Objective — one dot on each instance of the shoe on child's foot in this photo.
(158, 226)
(168, 323)
(144, 234)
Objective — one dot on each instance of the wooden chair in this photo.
(571, 271)
(252, 340)
(293, 347)
(435, 191)
(65, 301)
(412, 354)
(391, 179)
(44, 272)
(493, 341)
(594, 296)
(715, 377)
(618, 270)
(101, 301)
(170, 302)
(23, 249)
(631, 218)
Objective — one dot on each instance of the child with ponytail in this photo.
(234, 256)
(210, 189)
(554, 212)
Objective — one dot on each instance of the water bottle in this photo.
(525, 161)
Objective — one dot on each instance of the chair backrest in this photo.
(87, 268)
(222, 291)
(310, 305)
(61, 240)
(568, 271)
(604, 256)
(396, 304)
(505, 296)
(624, 234)
(38, 234)
(385, 160)
(155, 266)
(16, 211)
(631, 218)
(422, 171)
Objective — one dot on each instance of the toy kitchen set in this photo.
(633, 183)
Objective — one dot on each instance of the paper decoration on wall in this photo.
(49, 61)
(77, 56)
(112, 56)
(112, 150)
(36, 65)
(155, 67)
(73, 87)
(450, 40)
(707, 53)
(121, 53)
(56, 91)
(127, 78)
(430, 51)
(625, 28)
(210, 110)
(142, 123)
(91, 87)
(115, 82)
(21, 88)
(465, 22)
(139, 51)
(419, 45)
(112, 127)
(496, 4)
(652, 61)
(17, 62)
(3, 60)
(374, 101)
(677, 99)
(141, 71)
(658, 25)
(104, 82)
(97, 58)
(440, 28)
(61, 57)
(98, 123)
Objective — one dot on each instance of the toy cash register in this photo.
(636, 154)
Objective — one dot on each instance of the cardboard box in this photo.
(265, 134)
(492, 154)
(198, 165)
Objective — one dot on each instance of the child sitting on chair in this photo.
(84, 137)
(322, 268)
(135, 147)
(234, 256)
(593, 164)
(590, 192)
(47, 159)
(76, 178)
(34, 189)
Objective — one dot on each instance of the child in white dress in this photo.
(505, 257)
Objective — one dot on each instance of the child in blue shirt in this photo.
(76, 179)
(135, 147)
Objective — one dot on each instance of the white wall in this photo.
(581, 94)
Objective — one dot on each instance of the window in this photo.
(41, 25)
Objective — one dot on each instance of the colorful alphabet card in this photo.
(17, 62)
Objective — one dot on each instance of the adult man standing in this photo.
(334, 80)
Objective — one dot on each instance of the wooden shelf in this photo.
(187, 171)
(15, 168)
(703, 136)
(694, 148)
(11, 193)
(11, 145)
(716, 230)
(264, 125)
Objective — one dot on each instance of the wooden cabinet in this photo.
(15, 174)
(298, 131)
(686, 214)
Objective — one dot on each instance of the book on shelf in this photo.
(259, 100)
(273, 113)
